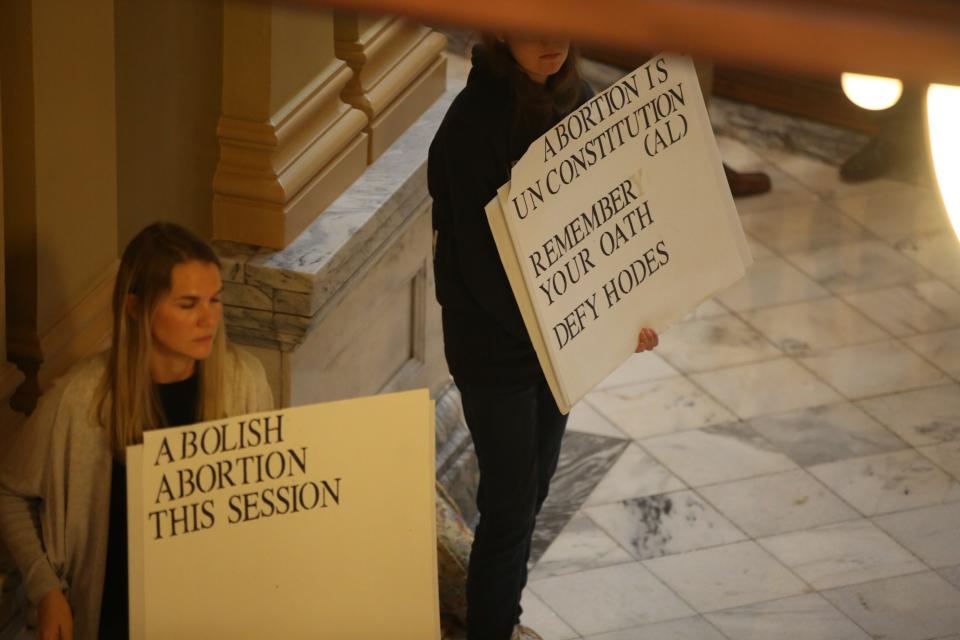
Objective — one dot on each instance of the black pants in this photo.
(517, 434)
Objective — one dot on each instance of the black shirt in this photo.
(472, 153)
(179, 402)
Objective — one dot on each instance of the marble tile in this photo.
(915, 607)
(544, 620)
(823, 178)
(826, 434)
(873, 369)
(581, 546)
(785, 191)
(452, 435)
(724, 577)
(584, 460)
(460, 479)
(777, 503)
(807, 327)
(942, 349)
(665, 524)
(931, 533)
(758, 250)
(764, 130)
(770, 282)
(655, 408)
(694, 628)
(713, 343)
(897, 214)
(717, 454)
(922, 307)
(858, 266)
(888, 482)
(774, 386)
(610, 598)
(939, 253)
(951, 575)
(585, 419)
(921, 417)
(633, 475)
(803, 227)
(709, 308)
(839, 554)
(806, 617)
(740, 156)
(945, 455)
(640, 367)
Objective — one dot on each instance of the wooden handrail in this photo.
(917, 40)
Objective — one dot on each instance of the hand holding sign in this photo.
(620, 214)
(647, 340)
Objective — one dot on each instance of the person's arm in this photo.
(22, 463)
(473, 174)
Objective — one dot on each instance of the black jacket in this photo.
(472, 153)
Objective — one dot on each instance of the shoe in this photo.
(746, 184)
(521, 632)
(873, 161)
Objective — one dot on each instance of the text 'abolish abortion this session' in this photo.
(261, 458)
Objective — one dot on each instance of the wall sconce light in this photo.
(871, 92)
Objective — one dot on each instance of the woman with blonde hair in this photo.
(62, 474)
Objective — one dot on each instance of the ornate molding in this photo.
(399, 70)
(275, 177)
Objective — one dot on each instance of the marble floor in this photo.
(786, 463)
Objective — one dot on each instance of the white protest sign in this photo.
(309, 522)
(619, 217)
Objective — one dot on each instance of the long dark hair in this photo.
(537, 107)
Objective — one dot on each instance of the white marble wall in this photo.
(348, 308)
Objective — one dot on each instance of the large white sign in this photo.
(617, 218)
(311, 522)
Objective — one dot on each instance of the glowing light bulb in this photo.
(875, 93)
(943, 110)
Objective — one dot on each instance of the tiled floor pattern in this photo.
(786, 463)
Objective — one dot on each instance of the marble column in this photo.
(399, 71)
(288, 144)
(60, 183)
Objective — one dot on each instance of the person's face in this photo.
(188, 315)
(540, 58)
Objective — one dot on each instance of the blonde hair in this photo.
(128, 403)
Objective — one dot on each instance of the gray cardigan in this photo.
(55, 484)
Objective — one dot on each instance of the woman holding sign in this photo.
(517, 89)
(168, 365)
